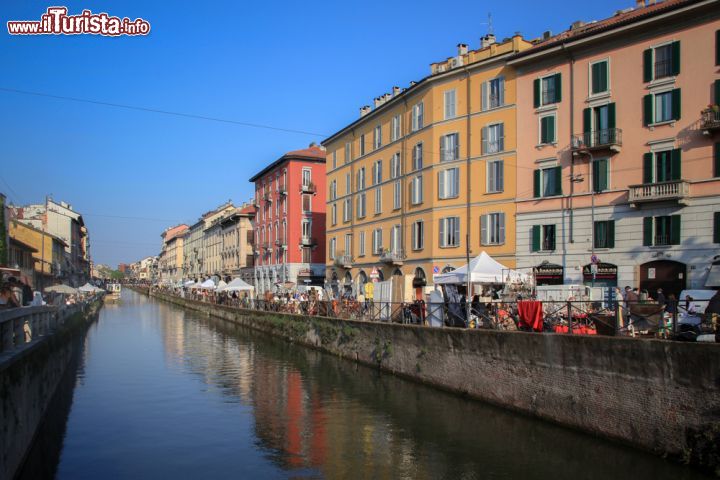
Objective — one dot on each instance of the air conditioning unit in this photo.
(577, 142)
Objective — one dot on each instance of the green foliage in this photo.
(3, 234)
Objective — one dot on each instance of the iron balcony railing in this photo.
(394, 256)
(268, 197)
(652, 192)
(661, 240)
(308, 241)
(282, 190)
(598, 139)
(307, 187)
(710, 119)
(343, 260)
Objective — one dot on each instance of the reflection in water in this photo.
(172, 394)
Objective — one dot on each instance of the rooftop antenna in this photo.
(489, 24)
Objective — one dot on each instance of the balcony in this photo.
(307, 188)
(343, 261)
(710, 120)
(308, 241)
(393, 257)
(282, 190)
(608, 139)
(675, 190)
(281, 243)
(267, 246)
(268, 197)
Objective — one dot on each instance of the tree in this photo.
(117, 275)
(3, 233)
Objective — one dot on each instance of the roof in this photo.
(23, 245)
(621, 18)
(313, 153)
(30, 227)
(174, 232)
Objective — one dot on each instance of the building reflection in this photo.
(318, 416)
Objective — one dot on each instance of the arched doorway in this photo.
(419, 282)
(347, 285)
(334, 284)
(666, 274)
(381, 276)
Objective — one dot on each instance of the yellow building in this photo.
(50, 261)
(411, 174)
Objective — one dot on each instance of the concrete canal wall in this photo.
(660, 396)
(30, 373)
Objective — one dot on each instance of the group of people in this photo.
(15, 293)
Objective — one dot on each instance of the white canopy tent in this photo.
(483, 269)
(206, 285)
(66, 289)
(88, 288)
(237, 285)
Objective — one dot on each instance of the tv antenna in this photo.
(489, 24)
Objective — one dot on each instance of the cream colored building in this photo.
(171, 256)
(236, 255)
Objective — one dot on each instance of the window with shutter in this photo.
(599, 77)
(449, 104)
(418, 156)
(495, 173)
(547, 129)
(716, 171)
(535, 238)
(600, 174)
(716, 227)
(604, 234)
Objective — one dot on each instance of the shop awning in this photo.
(713, 279)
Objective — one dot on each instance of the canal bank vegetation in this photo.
(662, 397)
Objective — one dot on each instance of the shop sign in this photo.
(548, 271)
(606, 271)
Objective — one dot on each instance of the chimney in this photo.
(386, 97)
(364, 110)
(462, 49)
(377, 102)
(396, 91)
(577, 24)
(413, 83)
(640, 3)
(487, 40)
(547, 34)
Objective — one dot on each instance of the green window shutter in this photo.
(558, 88)
(716, 227)
(599, 82)
(543, 130)
(647, 168)
(676, 105)
(717, 47)
(648, 231)
(558, 180)
(587, 121)
(550, 131)
(536, 92)
(536, 183)
(675, 165)
(717, 92)
(647, 109)
(536, 238)
(610, 234)
(604, 77)
(675, 230)
(675, 58)
(647, 65)
(717, 160)
(611, 115)
(600, 175)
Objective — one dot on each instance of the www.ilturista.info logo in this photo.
(57, 22)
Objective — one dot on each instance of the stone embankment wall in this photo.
(29, 376)
(660, 396)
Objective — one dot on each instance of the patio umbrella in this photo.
(66, 289)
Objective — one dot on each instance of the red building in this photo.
(290, 221)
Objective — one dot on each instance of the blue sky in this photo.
(297, 65)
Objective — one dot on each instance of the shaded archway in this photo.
(666, 274)
(419, 282)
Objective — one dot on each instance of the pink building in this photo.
(620, 150)
(290, 221)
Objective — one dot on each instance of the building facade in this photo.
(290, 221)
(426, 178)
(50, 262)
(60, 220)
(171, 255)
(237, 232)
(618, 172)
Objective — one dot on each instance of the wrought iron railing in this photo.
(596, 139)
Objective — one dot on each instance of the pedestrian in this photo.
(660, 297)
(7, 297)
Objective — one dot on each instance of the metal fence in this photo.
(583, 317)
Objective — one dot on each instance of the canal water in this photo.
(164, 393)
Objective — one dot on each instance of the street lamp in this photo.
(592, 211)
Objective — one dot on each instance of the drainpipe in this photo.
(467, 203)
(571, 60)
